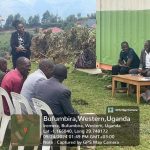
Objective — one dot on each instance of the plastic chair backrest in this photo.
(4, 119)
(9, 102)
(18, 100)
(40, 105)
(1, 107)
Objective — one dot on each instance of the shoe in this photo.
(108, 87)
(132, 89)
(145, 98)
(122, 90)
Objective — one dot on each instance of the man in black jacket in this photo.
(55, 94)
(58, 98)
(20, 42)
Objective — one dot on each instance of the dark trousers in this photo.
(17, 55)
(116, 69)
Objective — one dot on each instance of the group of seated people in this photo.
(129, 63)
(45, 84)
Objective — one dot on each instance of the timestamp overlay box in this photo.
(118, 127)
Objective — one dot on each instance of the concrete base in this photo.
(103, 66)
(91, 71)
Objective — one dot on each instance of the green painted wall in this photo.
(113, 27)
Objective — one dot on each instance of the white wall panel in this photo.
(107, 5)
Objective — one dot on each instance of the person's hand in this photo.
(144, 72)
(140, 70)
(19, 49)
(121, 64)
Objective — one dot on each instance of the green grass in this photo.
(90, 90)
(4, 39)
(4, 42)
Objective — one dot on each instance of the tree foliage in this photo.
(34, 21)
(8, 23)
(11, 18)
(48, 20)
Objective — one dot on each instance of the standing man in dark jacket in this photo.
(20, 42)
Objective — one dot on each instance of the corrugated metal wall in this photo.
(117, 21)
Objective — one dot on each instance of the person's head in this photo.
(23, 65)
(19, 26)
(85, 45)
(3, 64)
(60, 72)
(47, 66)
(147, 45)
(125, 46)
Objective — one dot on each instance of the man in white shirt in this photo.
(144, 68)
(44, 72)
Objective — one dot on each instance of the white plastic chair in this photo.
(39, 106)
(18, 101)
(4, 119)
